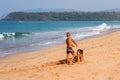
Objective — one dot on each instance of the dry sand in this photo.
(101, 62)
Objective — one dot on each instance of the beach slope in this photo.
(101, 62)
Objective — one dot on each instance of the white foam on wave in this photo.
(45, 43)
(8, 34)
(102, 27)
(5, 35)
(42, 44)
(1, 37)
(26, 35)
(85, 34)
(116, 26)
(20, 21)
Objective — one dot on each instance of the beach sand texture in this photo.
(101, 62)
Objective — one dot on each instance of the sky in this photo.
(82, 5)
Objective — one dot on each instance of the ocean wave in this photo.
(13, 35)
(85, 34)
(102, 27)
(1, 37)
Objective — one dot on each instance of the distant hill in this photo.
(64, 16)
(40, 10)
(49, 10)
(113, 10)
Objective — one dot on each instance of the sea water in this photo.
(20, 36)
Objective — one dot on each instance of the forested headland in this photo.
(63, 16)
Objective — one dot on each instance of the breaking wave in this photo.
(8, 35)
(102, 27)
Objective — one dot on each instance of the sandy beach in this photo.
(101, 62)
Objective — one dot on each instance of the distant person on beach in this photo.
(69, 50)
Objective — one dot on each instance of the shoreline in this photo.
(101, 62)
(89, 37)
(31, 40)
